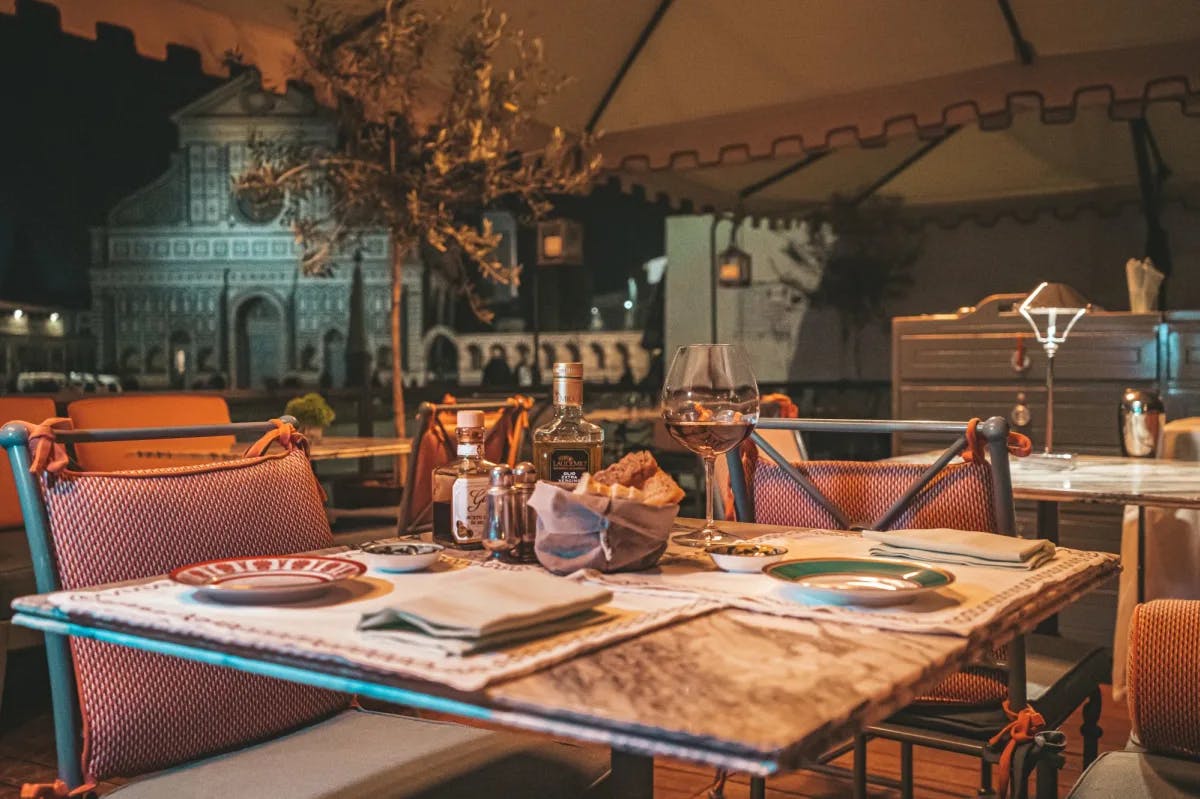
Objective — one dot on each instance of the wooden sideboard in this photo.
(984, 361)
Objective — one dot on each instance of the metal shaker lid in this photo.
(524, 473)
(1137, 400)
(501, 476)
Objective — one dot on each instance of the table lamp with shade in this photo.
(1052, 309)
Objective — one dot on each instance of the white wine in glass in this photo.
(709, 405)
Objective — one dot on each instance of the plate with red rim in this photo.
(267, 580)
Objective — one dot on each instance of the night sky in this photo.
(85, 123)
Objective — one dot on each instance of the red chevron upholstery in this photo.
(960, 496)
(1164, 676)
(143, 711)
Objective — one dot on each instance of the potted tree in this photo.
(435, 126)
(312, 413)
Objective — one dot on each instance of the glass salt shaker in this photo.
(524, 517)
(499, 536)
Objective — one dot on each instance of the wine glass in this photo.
(709, 405)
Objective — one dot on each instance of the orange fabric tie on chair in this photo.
(54, 790)
(1023, 726)
(288, 437)
(48, 455)
(1018, 444)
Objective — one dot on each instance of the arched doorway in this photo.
(333, 355)
(259, 337)
(180, 365)
(441, 360)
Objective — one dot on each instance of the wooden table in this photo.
(749, 692)
(327, 448)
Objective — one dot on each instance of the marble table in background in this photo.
(1103, 480)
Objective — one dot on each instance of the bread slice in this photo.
(635, 477)
(632, 470)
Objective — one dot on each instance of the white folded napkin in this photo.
(483, 608)
(964, 547)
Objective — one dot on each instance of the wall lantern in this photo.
(560, 242)
(18, 314)
(1056, 307)
(733, 264)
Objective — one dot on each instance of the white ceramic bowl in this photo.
(745, 558)
(400, 556)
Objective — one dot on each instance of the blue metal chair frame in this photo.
(994, 431)
(15, 439)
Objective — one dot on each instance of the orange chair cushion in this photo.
(145, 410)
(435, 446)
(1164, 676)
(26, 409)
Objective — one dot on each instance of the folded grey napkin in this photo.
(964, 547)
(483, 608)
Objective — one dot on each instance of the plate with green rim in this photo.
(858, 581)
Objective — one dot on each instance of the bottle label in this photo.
(468, 509)
(568, 391)
(568, 465)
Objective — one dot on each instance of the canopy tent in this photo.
(963, 172)
(681, 87)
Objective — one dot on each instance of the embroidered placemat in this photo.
(326, 628)
(979, 597)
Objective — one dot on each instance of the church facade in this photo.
(191, 288)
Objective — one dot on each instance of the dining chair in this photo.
(967, 710)
(16, 568)
(507, 423)
(789, 443)
(186, 729)
(145, 410)
(1162, 757)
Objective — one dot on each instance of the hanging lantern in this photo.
(733, 264)
(733, 267)
(560, 241)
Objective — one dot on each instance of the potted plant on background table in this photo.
(313, 414)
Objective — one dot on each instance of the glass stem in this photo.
(709, 464)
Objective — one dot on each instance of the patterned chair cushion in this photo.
(1164, 676)
(143, 711)
(961, 497)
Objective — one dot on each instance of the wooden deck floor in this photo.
(27, 753)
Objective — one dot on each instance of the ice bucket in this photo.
(1140, 418)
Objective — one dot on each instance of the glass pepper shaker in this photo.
(524, 478)
(499, 536)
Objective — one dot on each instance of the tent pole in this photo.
(894, 172)
(1021, 45)
(788, 171)
(1150, 181)
(634, 52)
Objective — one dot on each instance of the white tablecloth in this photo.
(1172, 546)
